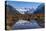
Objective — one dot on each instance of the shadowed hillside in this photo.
(40, 9)
(10, 10)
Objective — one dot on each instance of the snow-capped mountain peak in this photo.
(23, 10)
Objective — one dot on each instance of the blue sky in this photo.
(23, 4)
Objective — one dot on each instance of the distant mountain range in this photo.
(39, 9)
(25, 10)
(11, 10)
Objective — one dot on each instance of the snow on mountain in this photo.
(31, 10)
(26, 10)
(21, 10)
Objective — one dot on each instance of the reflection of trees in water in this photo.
(40, 21)
(26, 25)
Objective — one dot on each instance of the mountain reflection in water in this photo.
(23, 24)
